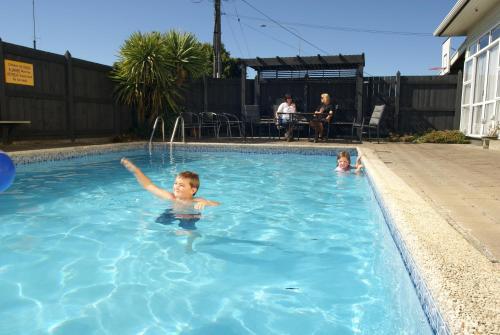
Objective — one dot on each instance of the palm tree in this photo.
(152, 69)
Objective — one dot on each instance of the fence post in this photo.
(458, 101)
(256, 96)
(70, 101)
(243, 97)
(3, 96)
(397, 93)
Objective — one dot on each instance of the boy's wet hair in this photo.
(194, 179)
(344, 154)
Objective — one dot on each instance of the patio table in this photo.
(297, 119)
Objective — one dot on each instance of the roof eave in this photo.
(454, 12)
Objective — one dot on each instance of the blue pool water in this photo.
(294, 249)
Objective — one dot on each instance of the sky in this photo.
(393, 34)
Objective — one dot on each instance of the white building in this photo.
(479, 21)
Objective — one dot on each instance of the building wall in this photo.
(480, 104)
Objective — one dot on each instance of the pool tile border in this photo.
(427, 301)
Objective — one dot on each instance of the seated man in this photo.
(323, 114)
(284, 118)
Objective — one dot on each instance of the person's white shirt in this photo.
(285, 108)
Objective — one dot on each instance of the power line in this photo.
(271, 37)
(234, 36)
(341, 28)
(241, 28)
(285, 28)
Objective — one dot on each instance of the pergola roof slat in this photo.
(299, 63)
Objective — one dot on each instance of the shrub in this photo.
(443, 136)
(401, 138)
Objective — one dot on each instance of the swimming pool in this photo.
(293, 249)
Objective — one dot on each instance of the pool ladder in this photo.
(183, 133)
(159, 118)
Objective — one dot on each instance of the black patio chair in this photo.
(209, 120)
(251, 114)
(230, 121)
(374, 123)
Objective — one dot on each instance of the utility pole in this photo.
(34, 31)
(217, 42)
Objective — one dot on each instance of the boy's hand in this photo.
(128, 165)
(199, 205)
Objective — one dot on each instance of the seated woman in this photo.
(323, 114)
(284, 117)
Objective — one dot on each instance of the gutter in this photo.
(454, 12)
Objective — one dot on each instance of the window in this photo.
(480, 78)
(468, 70)
(492, 72)
(495, 33)
(464, 120)
(472, 48)
(483, 41)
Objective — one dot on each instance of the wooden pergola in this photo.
(338, 66)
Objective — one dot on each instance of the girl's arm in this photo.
(359, 166)
(145, 182)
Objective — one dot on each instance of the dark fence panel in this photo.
(427, 103)
(70, 97)
(414, 103)
(217, 95)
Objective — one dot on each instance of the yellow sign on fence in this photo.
(19, 73)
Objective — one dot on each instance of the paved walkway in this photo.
(462, 182)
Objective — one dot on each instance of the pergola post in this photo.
(243, 68)
(256, 95)
(359, 94)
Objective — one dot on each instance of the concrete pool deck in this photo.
(444, 201)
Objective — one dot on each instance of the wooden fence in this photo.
(69, 97)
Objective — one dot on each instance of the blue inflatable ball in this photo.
(7, 171)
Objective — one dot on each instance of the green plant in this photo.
(152, 69)
(401, 138)
(443, 136)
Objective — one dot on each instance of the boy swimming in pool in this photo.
(183, 201)
(344, 163)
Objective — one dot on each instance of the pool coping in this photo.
(458, 287)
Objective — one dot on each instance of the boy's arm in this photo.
(145, 182)
(200, 203)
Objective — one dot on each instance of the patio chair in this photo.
(209, 120)
(191, 121)
(374, 123)
(251, 114)
(230, 121)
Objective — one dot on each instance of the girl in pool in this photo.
(344, 163)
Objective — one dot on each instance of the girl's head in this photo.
(288, 98)
(344, 160)
(325, 98)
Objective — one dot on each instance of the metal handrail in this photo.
(153, 132)
(175, 129)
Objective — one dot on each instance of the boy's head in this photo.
(344, 160)
(186, 185)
